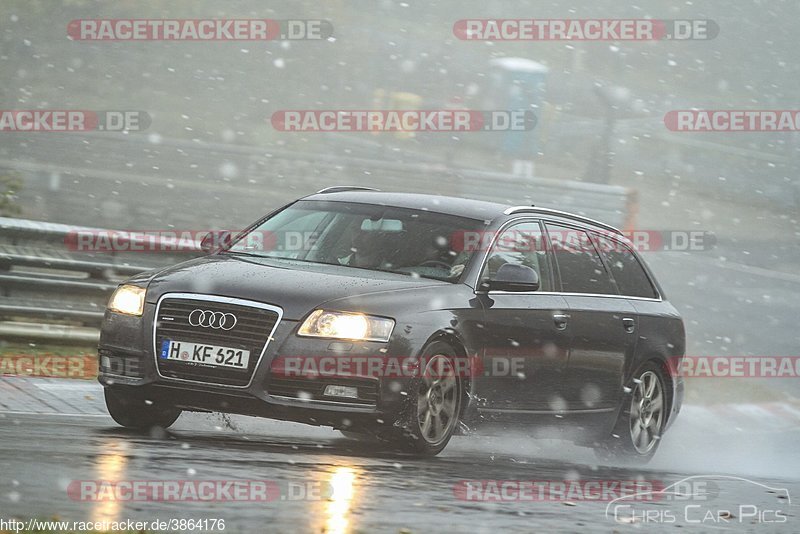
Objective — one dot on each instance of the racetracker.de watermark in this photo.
(410, 120)
(585, 29)
(198, 490)
(199, 29)
(494, 363)
(62, 120)
(555, 490)
(575, 241)
(90, 240)
(49, 365)
(735, 366)
(733, 120)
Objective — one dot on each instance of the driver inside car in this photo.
(368, 250)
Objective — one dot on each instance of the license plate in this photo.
(201, 354)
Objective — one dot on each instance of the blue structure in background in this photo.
(517, 84)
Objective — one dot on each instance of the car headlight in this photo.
(347, 325)
(127, 299)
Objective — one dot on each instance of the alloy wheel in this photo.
(647, 412)
(437, 399)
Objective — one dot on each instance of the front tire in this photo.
(641, 422)
(434, 403)
(134, 411)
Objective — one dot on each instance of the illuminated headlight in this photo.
(345, 325)
(127, 299)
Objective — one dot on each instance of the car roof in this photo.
(460, 207)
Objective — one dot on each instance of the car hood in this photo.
(296, 287)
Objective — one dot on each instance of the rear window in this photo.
(631, 278)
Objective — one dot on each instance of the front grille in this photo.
(251, 332)
(312, 389)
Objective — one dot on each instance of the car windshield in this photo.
(414, 242)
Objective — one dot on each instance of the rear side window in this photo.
(626, 269)
(582, 270)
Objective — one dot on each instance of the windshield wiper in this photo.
(242, 253)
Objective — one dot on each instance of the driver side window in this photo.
(520, 244)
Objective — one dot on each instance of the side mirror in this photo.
(512, 277)
(215, 241)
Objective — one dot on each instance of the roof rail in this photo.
(340, 188)
(564, 214)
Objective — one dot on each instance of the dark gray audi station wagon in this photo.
(404, 319)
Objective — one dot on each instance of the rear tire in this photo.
(134, 411)
(637, 433)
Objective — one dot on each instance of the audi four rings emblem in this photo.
(212, 319)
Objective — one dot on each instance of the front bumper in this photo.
(128, 361)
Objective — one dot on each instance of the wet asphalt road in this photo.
(69, 439)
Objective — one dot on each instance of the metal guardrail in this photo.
(132, 181)
(51, 290)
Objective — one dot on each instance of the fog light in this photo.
(341, 391)
(105, 362)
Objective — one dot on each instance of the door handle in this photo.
(560, 319)
(628, 324)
